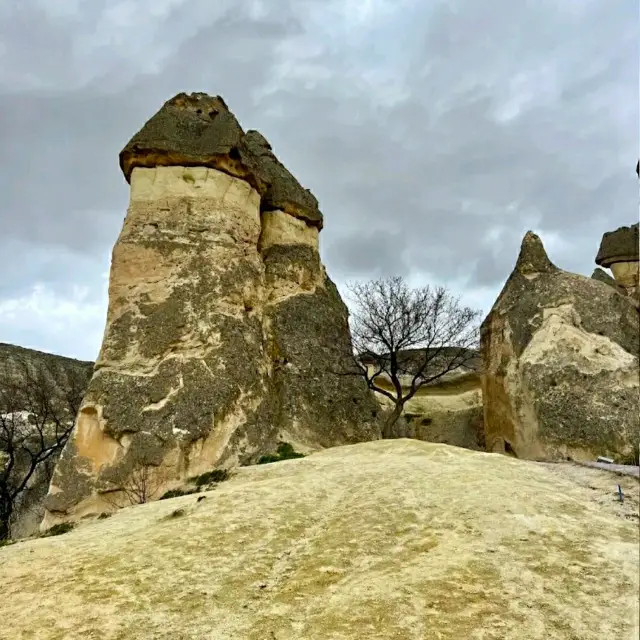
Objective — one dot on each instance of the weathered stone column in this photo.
(222, 325)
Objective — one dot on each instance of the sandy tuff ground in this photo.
(393, 540)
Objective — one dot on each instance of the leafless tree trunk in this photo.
(38, 405)
(141, 486)
(410, 337)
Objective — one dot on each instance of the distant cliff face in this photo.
(38, 386)
(224, 331)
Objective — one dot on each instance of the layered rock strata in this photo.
(560, 354)
(224, 333)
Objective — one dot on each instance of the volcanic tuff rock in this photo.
(561, 364)
(223, 329)
(619, 251)
(51, 378)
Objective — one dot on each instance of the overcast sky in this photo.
(434, 133)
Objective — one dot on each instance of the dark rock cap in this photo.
(199, 130)
(620, 245)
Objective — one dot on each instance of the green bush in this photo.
(285, 451)
(59, 529)
(209, 477)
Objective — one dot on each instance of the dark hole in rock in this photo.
(234, 154)
(198, 111)
(426, 422)
(213, 113)
(508, 449)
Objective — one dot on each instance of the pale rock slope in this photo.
(386, 540)
(224, 333)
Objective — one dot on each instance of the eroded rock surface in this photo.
(395, 539)
(561, 364)
(39, 387)
(223, 329)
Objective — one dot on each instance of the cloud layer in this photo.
(433, 134)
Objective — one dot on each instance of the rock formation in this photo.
(560, 353)
(619, 251)
(36, 388)
(447, 410)
(223, 330)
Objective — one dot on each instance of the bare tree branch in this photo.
(408, 338)
(38, 405)
(141, 486)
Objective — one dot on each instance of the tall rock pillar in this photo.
(224, 334)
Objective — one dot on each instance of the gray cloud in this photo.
(433, 134)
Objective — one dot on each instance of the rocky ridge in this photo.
(32, 380)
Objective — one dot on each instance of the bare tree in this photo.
(410, 337)
(141, 486)
(38, 405)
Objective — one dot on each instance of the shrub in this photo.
(268, 458)
(217, 475)
(59, 529)
(176, 493)
(104, 515)
(178, 513)
(285, 451)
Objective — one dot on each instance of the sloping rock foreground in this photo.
(391, 539)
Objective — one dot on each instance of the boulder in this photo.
(223, 331)
(560, 355)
